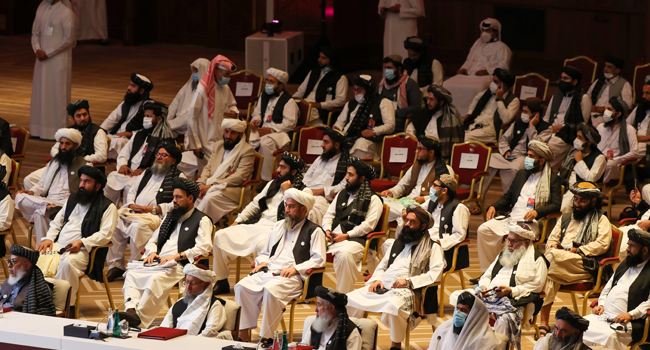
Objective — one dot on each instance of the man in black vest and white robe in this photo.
(611, 84)
(331, 328)
(295, 246)
(640, 200)
(400, 89)
(422, 68)
(640, 120)
(274, 118)
(87, 220)
(185, 234)
(618, 141)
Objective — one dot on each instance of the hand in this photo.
(328, 236)
(635, 196)
(623, 318)
(373, 287)
(609, 158)
(598, 310)
(644, 224)
(234, 223)
(555, 246)
(400, 283)
(339, 237)
(465, 116)
(149, 259)
(574, 250)
(175, 257)
(599, 109)
(419, 199)
(534, 121)
(382, 11)
(230, 114)
(367, 133)
(643, 138)
(394, 8)
(386, 193)
(503, 291)
(137, 172)
(462, 71)
(482, 72)
(531, 215)
(288, 272)
(125, 170)
(75, 246)
(31, 193)
(507, 155)
(557, 128)
(500, 91)
(318, 192)
(197, 151)
(490, 213)
(336, 128)
(258, 267)
(285, 186)
(316, 105)
(124, 134)
(264, 131)
(45, 245)
(578, 156)
(255, 123)
(204, 189)
(484, 289)
(41, 55)
(136, 208)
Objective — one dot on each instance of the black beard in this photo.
(65, 157)
(286, 177)
(194, 85)
(610, 123)
(353, 187)
(176, 213)
(229, 145)
(433, 110)
(327, 155)
(84, 196)
(393, 81)
(457, 329)
(645, 103)
(409, 235)
(423, 161)
(633, 260)
(579, 214)
(131, 98)
(321, 66)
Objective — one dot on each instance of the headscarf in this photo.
(233, 124)
(362, 117)
(401, 82)
(203, 275)
(77, 105)
(574, 73)
(70, 134)
(433, 144)
(197, 311)
(208, 83)
(282, 76)
(543, 190)
(162, 130)
(301, 197)
(167, 186)
(617, 61)
(569, 162)
(174, 152)
(201, 64)
(589, 231)
(450, 122)
(142, 81)
(475, 335)
(639, 236)
(416, 44)
(339, 300)
(39, 296)
(491, 23)
(363, 168)
(342, 165)
(94, 173)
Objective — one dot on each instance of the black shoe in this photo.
(266, 343)
(131, 318)
(114, 274)
(394, 348)
(222, 287)
(473, 281)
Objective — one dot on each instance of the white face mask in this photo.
(493, 88)
(577, 144)
(147, 122)
(607, 116)
(486, 37)
(358, 97)
(609, 75)
(525, 117)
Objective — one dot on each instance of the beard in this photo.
(132, 97)
(228, 145)
(610, 123)
(84, 196)
(321, 323)
(160, 168)
(177, 212)
(327, 155)
(290, 221)
(457, 329)
(285, 177)
(636, 259)
(509, 259)
(65, 157)
(423, 161)
(410, 235)
(562, 343)
(353, 187)
(433, 110)
(579, 214)
(12, 280)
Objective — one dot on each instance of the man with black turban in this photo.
(422, 68)
(184, 235)
(87, 220)
(331, 328)
(611, 84)
(569, 330)
(129, 114)
(26, 289)
(618, 141)
(366, 119)
(7, 206)
(147, 202)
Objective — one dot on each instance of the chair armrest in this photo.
(372, 235)
(609, 261)
(594, 304)
(250, 182)
(20, 155)
(370, 276)
(315, 270)
(629, 161)
(480, 174)
(200, 257)
(297, 128)
(627, 221)
(48, 159)
(553, 215)
(280, 151)
(405, 166)
(463, 243)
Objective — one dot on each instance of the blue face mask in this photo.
(459, 318)
(325, 69)
(224, 81)
(389, 73)
(529, 163)
(432, 194)
(269, 89)
(195, 76)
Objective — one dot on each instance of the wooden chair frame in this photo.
(628, 163)
(251, 105)
(537, 75)
(593, 75)
(544, 233)
(452, 269)
(478, 176)
(302, 298)
(106, 285)
(634, 79)
(14, 185)
(20, 157)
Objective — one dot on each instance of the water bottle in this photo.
(285, 343)
(116, 321)
(277, 340)
(109, 321)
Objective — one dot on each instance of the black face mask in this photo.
(565, 86)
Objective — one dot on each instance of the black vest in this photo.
(532, 297)
(187, 234)
(278, 110)
(520, 129)
(425, 75)
(160, 196)
(5, 139)
(302, 248)
(343, 210)
(445, 228)
(316, 337)
(589, 162)
(89, 139)
(327, 86)
(375, 114)
(179, 308)
(19, 300)
(635, 295)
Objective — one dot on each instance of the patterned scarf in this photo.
(39, 296)
(452, 129)
(342, 165)
(403, 101)
(360, 121)
(419, 265)
(589, 230)
(364, 195)
(501, 307)
(86, 141)
(543, 190)
(167, 185)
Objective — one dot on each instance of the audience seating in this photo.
(307, 134)
(452, 269)
(245, 104)
(616, 184)
(13, 184)
(470, 177)
(21, 135)
(4, 234)
(544, 233)
(533, 80)
(233, 313)
(313, 279)
(646, 330)
(585, 65)
(248, 185)
(93, 252)
(640, 74)
(61, 293)
(393, 169)
(333, 115)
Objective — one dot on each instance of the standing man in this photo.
(611, 84)
(400, 22)
(53, 38)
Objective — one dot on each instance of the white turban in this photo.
(522, 231)
(203, 275)
(282, 76)
(491, 23)
(71, 134)
(234, 124)
(301, 197)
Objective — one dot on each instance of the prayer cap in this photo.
(639, 236)
(30, 254)
(282, 76)
(574, 319)
(331, 54)
(437, 89)
(222, 62)
(423, 216)
(77, 105)
(617, 61)
(94, 174)
(536, 105)
(173, 151)
(572, 72)
(334, 135)
(414, 43)
(522, 229)
(339, 300)
(396, 59)
(505, 76)
(586, 189)
(619, 105)
(466, 298)
(159, 108)
(366, 82)
(203, 275)
(301, 197)
(142, 81)
(71, 134)
(449, 181)
(190, 188)
(362, 168)
(541, 149)
(590, 133)
(293, 161)
(430, 143)
(233, 124)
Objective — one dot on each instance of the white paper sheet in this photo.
(527, 91)
(398, 155)
(468, 161)
(13, 143)
(244, 89)
(314, 147)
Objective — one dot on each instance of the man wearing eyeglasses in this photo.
(26, 289)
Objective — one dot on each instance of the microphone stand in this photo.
(99, 335)
(262, 335)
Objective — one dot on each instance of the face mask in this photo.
(432, 194)
(565, 86)
(608, 75)
(269, 89)
(607, 116)
(486, 37)
(459, 318)
(147, 122)
(325, 69)
(577, 144)
(529, 163)
(358, 97)
(49, 1)
(525, 117)
(195, 76)
(224, 81)
(493, 88)
(389, 73)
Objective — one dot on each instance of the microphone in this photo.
(262, 335)
(99, 335)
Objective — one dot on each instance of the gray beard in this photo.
(569, 344)
(289, 223)
(511, 259)
(322, 323)
(160, 169)
(19, 275)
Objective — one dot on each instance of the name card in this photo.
(244, 89)
(314, 147)
(398, 155)
(468, 161)
(527, 91)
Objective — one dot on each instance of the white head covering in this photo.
(71, 134)
(234, 124)
(301, 197)
(365, 77)
(521, 231)
(526, 270)
(203, 275)
(201, 64)
(282, 76)
(491, 23)
(475, 335)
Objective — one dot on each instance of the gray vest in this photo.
(615, 90)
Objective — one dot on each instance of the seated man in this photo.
(487, 54)
(584, 162)
(401, 90)
(535, 192)
(469, 329)
(439, 120)
(640, 200)
(640, 120)
(60, 179)
(624, 300)
(93, 146)
(491, 108)
(331, 328)
(230, 165)
(618, 140)
(184, 235)
(514, 143)
(366, 119)
(26, 289)
(6, 145)
(251, 229)
(420, 67)
(353, 214)
(611, 84)
(128, 116)
(281, 267)
(395, 289)
(140, 151)
(198, 311)
(325, 87)
(178, 109)
(570, 327)
(578, 242)
(274, 117)
(7, 206)
(87, 220)
(148, 201)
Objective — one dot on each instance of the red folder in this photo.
(162, 333)
(6, 309)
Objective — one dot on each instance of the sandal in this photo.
(543, 331)
(476, 210)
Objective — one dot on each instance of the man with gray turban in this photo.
(295, 245)
(180, 106)
(400, 89)
(26, 289)
(570, 328)
(618, 140)
(331, 328)
(273, 120)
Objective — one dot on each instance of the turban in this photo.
(586, 189)
(423, 216)
(491, 23)
(173, 151)
(293, 161)
(30, 254)
(203, 275)
(331, 54)
(437, 89)
(142, 81)
(396, 59)
(414, 43)
(190, 188)
(505, 76)
(572, 72)
(222, 62)
(334, 135)
(522, 229)
(94, 174)
(430, 143)
(282, 76)
(637, 235)
(366, 82)
(541, 149)
(617, 61)
(159, 108)
(339, 300)
(573, 318)
(619, 105)
(536, 105)
(301, 197)
(590, 133)
(466, 298)
(362, 168)
(449, 181)
(71, 134)
(233, 124)
(77, 105)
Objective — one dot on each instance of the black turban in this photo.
(93, 173)
(293, 161)
(362, 168)
(30, 254)
(617, 61)
(77, 105)
(414, 43)
(430, 143)
(369, 85)
(173, 151)
(331, 54)
(190, 188)
(619, 105)
(639, 236)
(505, 76)
(466, 298)
(339, 300)
(334, 135)
(159, 109)
(147, 85)
(572, 72)
(574, 319)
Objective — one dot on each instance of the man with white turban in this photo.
(180, 106)
(273, 120)
(295, 245)
(487, 54)
(198, 311)
(400, 22)
(231, 164)
(59, 180)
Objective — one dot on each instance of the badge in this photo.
(446, 226)
(269, 119)
(344, 204)
(610, 153)
(424, 189)
(442, 218)
(72, 173)
(531, 203)
(394, 255)
(187, 228)
(160, 190)
(302, 243)
(371, 123)
(518, 132)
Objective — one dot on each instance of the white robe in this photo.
(645, 195)
(5, 161)
(432, 128)
(641, 130)
(559, 147)
(190, 320)
(354, 341)
(7, 205)
(178, 109)
(609, 146)
(364, 148)
(487, 134)
(90, 19)
(118, 185)
(117, 142)
(399, 26)
(580, 169)
(53, 32)
(329, 103)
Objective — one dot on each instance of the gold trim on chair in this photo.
(480, 199)
(106, 285)
(577, 58)
(634, 79)
(537, 75)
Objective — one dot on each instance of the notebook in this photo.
(162, 333)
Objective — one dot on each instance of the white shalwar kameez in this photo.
(5, 161)
(184, 100)
(341, 93)
(118, 142)
(53, 32)
(364, 148)
(353, 342)
(118, 185)
(278, 138)
(642, 130)
(559, 147)
(615, 302)
(438, 75)
(482, 56)
(149, 287)
(7, 206)
(432, 128)
(91, 22)
(73, 265)
(399, 26)
(320, 175)
(392, 307)
(645, 195)
(487, 133)
(192, 318)
(275, 292)
(580, 169)
(609, 146)
(603, 100)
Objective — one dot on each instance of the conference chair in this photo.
(452, 269)
(397, 156)
(471, 161)
(586, 66)
(532, 83)
(21, 135)
(246, 86)
(640, 73)
(93, 254)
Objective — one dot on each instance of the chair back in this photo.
(13, 175)
(61, 294)
(585, 65)
(233, 311)
(640, 73)
(257, 167)
(311, 139)
(532, 85)
(304, 111)
(616, 239)
(21, 135)
(397, 151)
(368, 329)
(246, 86)
(382, 224)
(468, 158)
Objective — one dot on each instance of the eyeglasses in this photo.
(12, 262)
(162, 155)
(193, 284)
(420, 149)
(577, 199)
